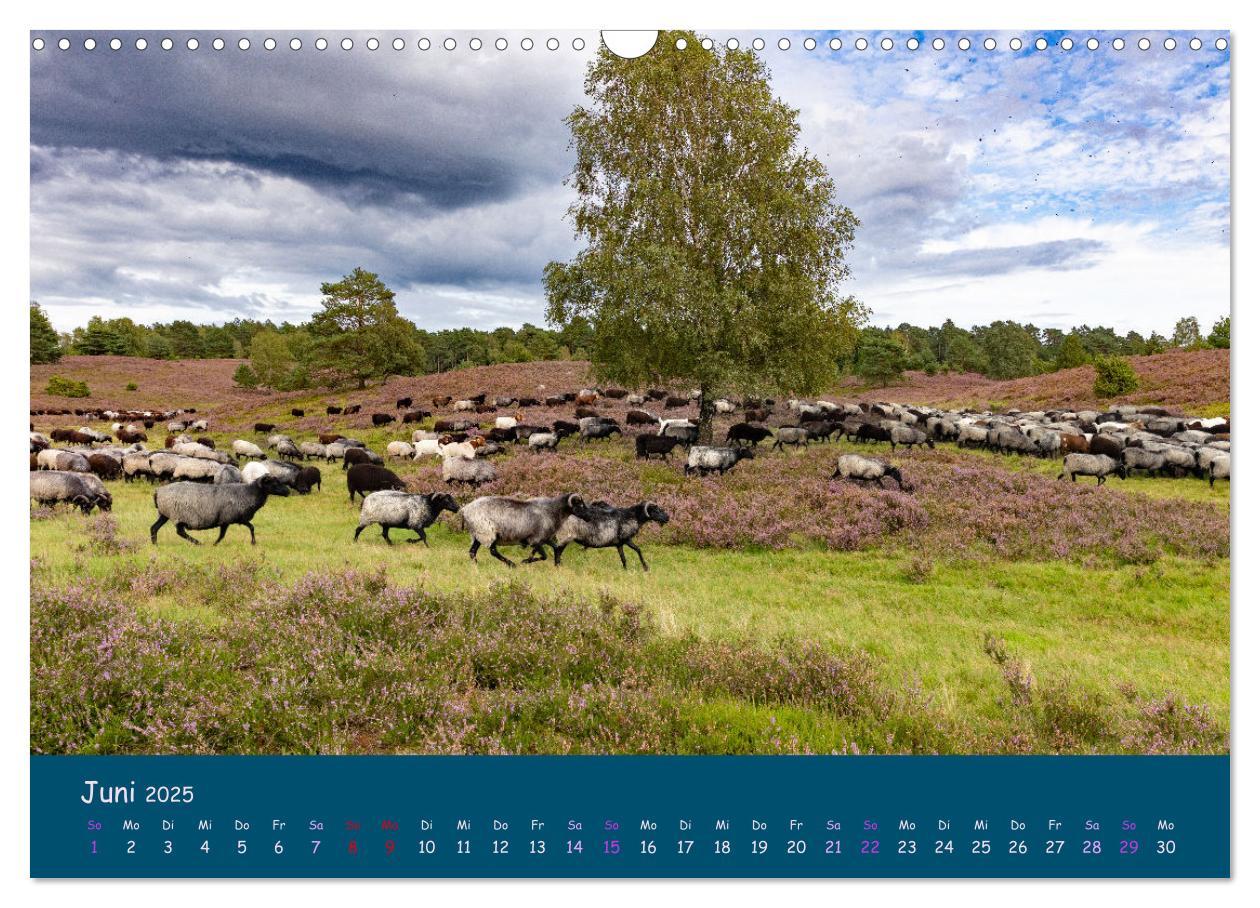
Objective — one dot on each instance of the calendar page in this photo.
(685, 453)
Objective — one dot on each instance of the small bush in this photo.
(1114, 377)
(132, 386)
(245, 376)
(60, 386)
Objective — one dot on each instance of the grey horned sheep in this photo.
(83, 490)
(1099, 465)
(194, 506)
(403, 511)
(604, 526)
(856, 468)
(533, 523)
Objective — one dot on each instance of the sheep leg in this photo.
(420, 537)
(558, 550)
(357, 530)
(472, 550)
(622, 554)
(537, 553)
(222, 533)
(182, 530)
(249, 526)
(385, 534)
(494, 550)
(638, 551)
(153, 530)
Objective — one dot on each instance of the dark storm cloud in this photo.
(450, 129)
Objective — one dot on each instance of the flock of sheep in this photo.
(204, 488)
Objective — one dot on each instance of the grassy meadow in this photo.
(989, 610)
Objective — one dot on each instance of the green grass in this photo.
(1155, 628)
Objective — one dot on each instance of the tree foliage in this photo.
(359, 333)
(714, 243)
(60, 386)
(1115, 376)
(45, 345)
(879, 358)
(1218, 337)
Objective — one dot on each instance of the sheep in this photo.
(162, 465)
(327, 438)
(297, 412)
(245, 450)
(274, 440)
(363, 478)
(194, 506)
(1099, 465)
(403, 511)
(106, 466)
(1218, 468)
(227, 473)
(1140, 459)
(193, 469)
(381, 419)
(400, 449)
(335, 451)
(640, 418)
(604, 526)
(330, 410)
(869, 431)
(441, 401)
(65, 461)
(465, 449)
(354, 456)
(533, 523)
(402, 403)
(702, 459)
(744, 432)
(136, 464)
(262, 428)
(600, 430)
(789, 435)
(257, 469)
(313, 449)
(83, 490)
(685, 432)
(414, 416)
(505, 422)
(646, 446)
(464, 406)
(426, 447)
(543, 441)
(289, 451)
(908, 436)
(352, 409)
(470, 472)
(973, 435)
(306, 479)
(856, 468)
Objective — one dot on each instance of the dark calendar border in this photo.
(632, 816)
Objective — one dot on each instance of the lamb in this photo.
(426, 447)
(702, 459)
(790, 435)
(744, 432)
(856, 468)
(605, 526)
(245, 450)
(368, 477)
(83, 490)
(1099, 465)
(908, 436)
(1218, 468)
(194, 506)
(471, 472)
(534, 523)
(399, 449)
(402, 511)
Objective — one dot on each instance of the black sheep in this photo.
(263, 427)
(403, 403)
(745, 432)
(645, 446)
(354, 456)
(333, 411)
(565, 428)
(364, 478)
(308, 478)
(381, 419)
(869, 431)
(299, 413)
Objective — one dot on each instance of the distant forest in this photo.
(280, 355)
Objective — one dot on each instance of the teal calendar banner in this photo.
(630, 816)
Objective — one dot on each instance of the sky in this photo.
(1058, 187)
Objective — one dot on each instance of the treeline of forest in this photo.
(284, 356)
(1007, 349)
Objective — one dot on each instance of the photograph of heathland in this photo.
(498, 394)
